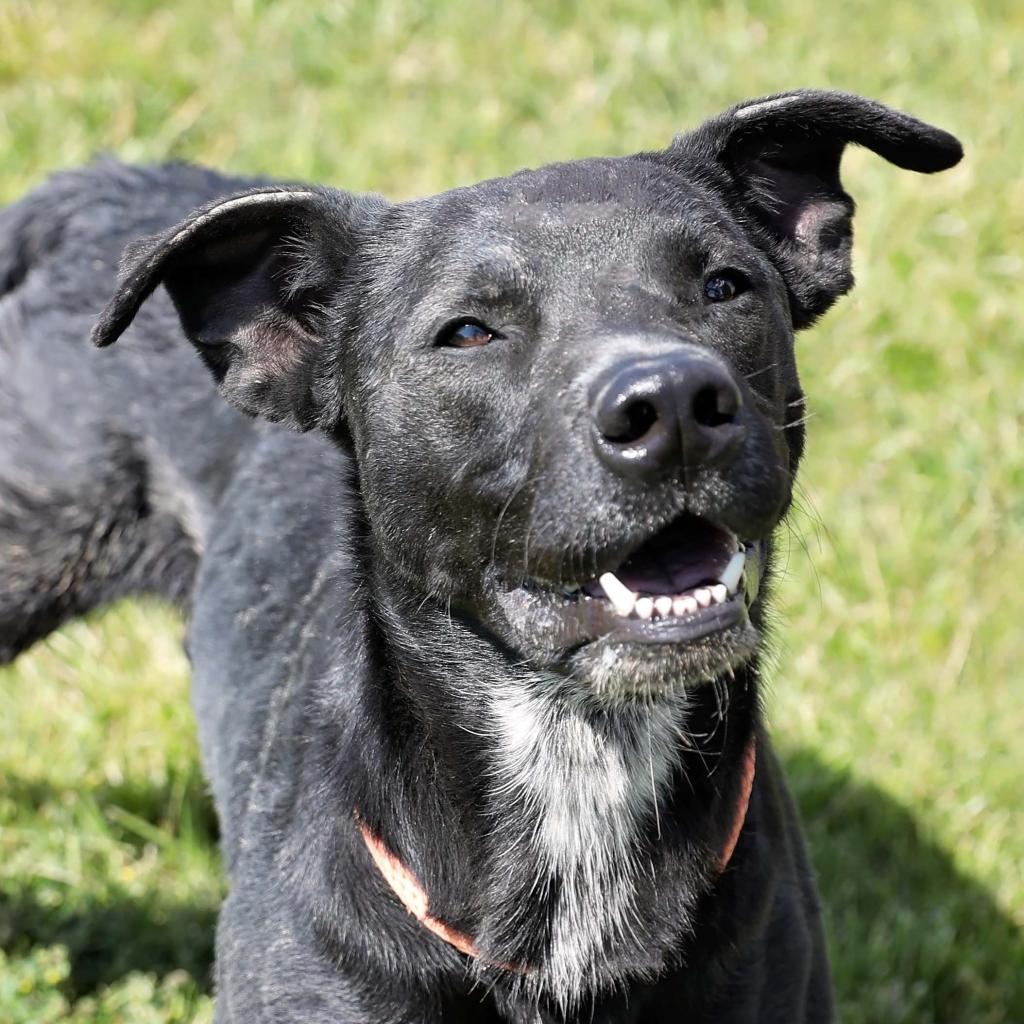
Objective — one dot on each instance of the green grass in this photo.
(896, 698)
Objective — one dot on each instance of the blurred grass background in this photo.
(896, 696)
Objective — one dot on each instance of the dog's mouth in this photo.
(691, 579)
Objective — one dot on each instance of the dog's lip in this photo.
(595, 619)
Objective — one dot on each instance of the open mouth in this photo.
(691, 579)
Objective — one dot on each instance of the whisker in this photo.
(757, 373)
(806, 506)
(501, 515)
(796, 535)
(650, 761)
(797, 422)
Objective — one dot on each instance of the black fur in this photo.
(352, 631)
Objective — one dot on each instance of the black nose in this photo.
(680, 410)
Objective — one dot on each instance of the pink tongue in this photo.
(687, 553)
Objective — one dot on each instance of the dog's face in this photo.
(571, 393)
(573, 372)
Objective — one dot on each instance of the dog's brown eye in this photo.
(725, 285)
(465, 334)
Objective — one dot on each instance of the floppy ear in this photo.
(249, 276)
(781, 156)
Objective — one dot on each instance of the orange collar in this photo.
(410, 893)
(413, 897)
(742, 804)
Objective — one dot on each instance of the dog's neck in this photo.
(569, 838)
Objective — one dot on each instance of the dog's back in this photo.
(104, 489)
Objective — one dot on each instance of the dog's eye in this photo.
(465, 334)
(725, 285)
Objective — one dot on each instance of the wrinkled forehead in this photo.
(593, 222)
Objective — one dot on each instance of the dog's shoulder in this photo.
(269, 605)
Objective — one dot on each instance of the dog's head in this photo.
(571, 393)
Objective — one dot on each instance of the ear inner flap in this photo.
(142, 265)
(249, 277)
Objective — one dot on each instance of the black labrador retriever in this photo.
(476, 663)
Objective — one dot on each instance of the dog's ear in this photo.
(780, 156)
(249, 276)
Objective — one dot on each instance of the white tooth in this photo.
(684, 605)
(621, 597)
(703, 596)
(733, 571)
(718, 592)
(664, 606)
(644, 607)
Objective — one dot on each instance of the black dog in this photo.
(476, 666)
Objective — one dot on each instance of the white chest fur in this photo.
(589, 780)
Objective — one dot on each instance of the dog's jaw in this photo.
(619, 642)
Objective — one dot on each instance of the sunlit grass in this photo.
(896, 697)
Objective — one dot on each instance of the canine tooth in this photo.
(644, 607)
(684, 605)
(621, 597)
(664, 606)
(718, 592)
(703, 596)
(752, 573)
(733, 572)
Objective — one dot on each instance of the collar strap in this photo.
(414, 898)
(742, 804)
(410, 893)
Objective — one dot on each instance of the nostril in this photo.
(714, 406)
(631, 423)
(678, 411)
